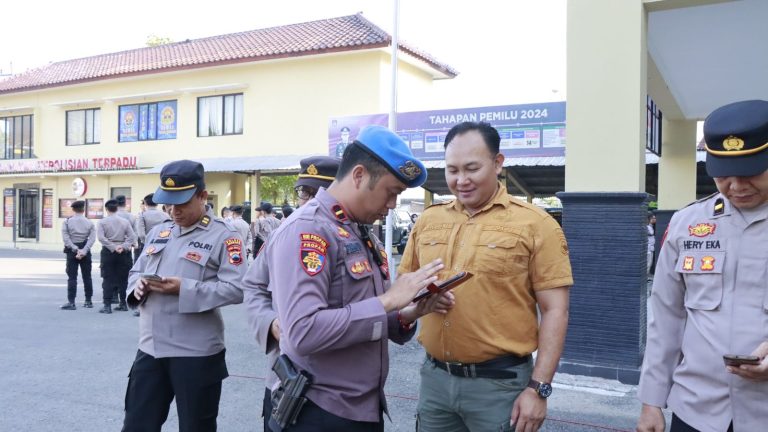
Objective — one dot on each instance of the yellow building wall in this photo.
(286, 107)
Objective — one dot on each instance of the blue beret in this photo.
(393, 153)
(736, 137)
(179, 181)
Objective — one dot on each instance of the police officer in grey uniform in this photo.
(336, 307)
(78, 234)
(241, 226)
(710, 290)
(196, 263)
(149, 218)
(125, 214)
(116, 237)
(316, 172)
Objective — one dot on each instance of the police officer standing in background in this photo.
(332, 293)
(125, 214)
(149, 218)
(241, 226)
(197, 262)
(78, 234)
(316, 172)
(116, 236)
(710, 295)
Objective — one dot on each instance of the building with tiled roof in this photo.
(245, 104)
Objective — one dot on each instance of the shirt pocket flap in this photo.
(497, 239)
(358, 267)
(434, 237)
(703, 276)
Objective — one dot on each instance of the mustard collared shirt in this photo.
(513, 249)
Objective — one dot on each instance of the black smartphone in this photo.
(151, 276)
(738, 360)
(444, 286)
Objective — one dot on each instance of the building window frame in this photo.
(230, 117)
(93, 125)
(17, 137)
(149, 118)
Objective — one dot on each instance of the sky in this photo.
(507, 51)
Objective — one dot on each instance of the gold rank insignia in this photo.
(205, 221)
(688, 263)
(169, 182)
(312, 169)
(150, 250)
(733, 143)
(410, 170)
(344, 233)
(164, 234)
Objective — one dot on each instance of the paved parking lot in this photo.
(67, 370)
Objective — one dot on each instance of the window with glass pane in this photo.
(220, 115)
(16, 140)
(84, 126)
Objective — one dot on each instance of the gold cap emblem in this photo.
(732, 143)
(169, 182)
(312, 169)
(410, 170)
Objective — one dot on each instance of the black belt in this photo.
(496, 368)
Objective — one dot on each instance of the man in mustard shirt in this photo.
(479, 374)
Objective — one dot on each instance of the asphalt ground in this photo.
(67, 370)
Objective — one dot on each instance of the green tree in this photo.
(278, 189)
(155, 40)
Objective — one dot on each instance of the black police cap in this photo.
(317, 172)
(237, 209)
(179, 181)
(78, 205)
(736, 137)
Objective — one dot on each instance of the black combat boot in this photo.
(88, 304)
(68, 306)
(122, 308)
(107, 309)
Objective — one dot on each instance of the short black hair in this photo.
(111, 205)
(354, 155)
(489, 133)
(148, 200)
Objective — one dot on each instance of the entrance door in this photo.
(28, 213)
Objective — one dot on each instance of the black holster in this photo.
(288, 399)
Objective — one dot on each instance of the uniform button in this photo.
(456, 268)
(447, 324)
(461, 244)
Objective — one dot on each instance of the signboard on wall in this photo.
(8, 207)
(47, 208)
(525, 130)
(94, 208)
(69, 165)
(65, 209)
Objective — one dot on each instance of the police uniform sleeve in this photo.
(141, 228)
(663, 349)
(130, 236)
(66, 237)
(91, 237)
(303, 271)
(258, 302)
(550, 265)
(138, 267)
(225, 288)
(102, 236)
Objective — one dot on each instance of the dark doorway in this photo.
(29, 200)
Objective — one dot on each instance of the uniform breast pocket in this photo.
(192, 262)
(432, 245)
(703, 276)
(359, 285)
(499, 253)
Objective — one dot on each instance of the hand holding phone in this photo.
(444, 286)
(734, 360)
(151, 277)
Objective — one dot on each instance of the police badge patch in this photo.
(234, 250)
(312, 253)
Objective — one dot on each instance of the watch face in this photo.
(545, 390)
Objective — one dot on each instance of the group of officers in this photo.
(320, 299)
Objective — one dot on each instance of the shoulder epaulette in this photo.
(701, 200)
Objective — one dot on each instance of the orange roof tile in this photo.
(346, 33)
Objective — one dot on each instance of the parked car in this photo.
(401, 223)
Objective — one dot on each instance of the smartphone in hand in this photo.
(738, 360)
(444, 286)
(151, 277)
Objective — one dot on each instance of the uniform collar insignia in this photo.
(205, 221)
(719, 207)
(410, 170)
(338, 211)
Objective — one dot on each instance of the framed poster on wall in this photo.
(47, 208)
(8, 207)
(65, 209)
(94, 208)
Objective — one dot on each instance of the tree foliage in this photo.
(278, 189)
(155, 40)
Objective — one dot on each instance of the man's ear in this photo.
(358, 175)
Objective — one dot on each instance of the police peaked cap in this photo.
(317, 171)
(736, 138)
(179, 181)
(389, 149)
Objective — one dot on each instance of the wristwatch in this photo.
(542, 389)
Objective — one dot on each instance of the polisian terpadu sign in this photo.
(68, 165)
